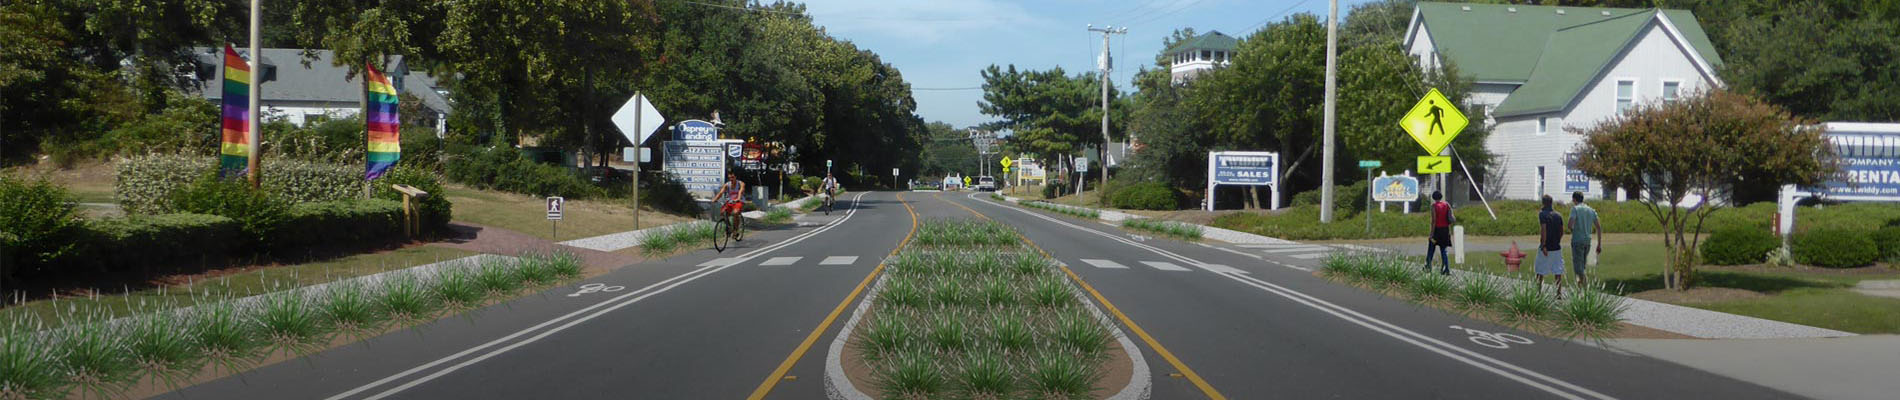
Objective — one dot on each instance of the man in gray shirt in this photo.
(1583, 227)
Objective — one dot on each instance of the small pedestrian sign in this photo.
(1006, 162)
(555, 204)
(1434, 165)
(1434, 122)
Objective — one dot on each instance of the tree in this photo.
(1271, 97)
(1695, 147)
(1050, 112)
(1378, 83)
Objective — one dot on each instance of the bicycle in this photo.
(830, 201)
(725, 229)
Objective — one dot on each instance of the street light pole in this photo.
(257, 78)
(1326, 153)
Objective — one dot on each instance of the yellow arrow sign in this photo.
(1434, 165)
(1434, 122)
(1007, 162)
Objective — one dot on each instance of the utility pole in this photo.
(1107, 64)
(1332, 95)
(257, 79)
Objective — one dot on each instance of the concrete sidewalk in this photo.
(1859, 367)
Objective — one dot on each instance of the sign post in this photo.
(1369, 165)
(637, 120)
(894, 178)
(1433, 123)
(555, 204)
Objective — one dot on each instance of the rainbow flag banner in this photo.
(236, 150)
(385, 144)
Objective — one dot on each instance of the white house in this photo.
(319, 91)
(1546, 73)
(1199, 54)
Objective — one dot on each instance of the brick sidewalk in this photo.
(492, 240)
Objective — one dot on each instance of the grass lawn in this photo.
(528, 214)
(182, 291)
(1632, 263)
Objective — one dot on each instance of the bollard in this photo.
(1458, 244)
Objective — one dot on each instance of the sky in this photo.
(943, 44)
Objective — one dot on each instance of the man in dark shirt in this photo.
(1550, 257)
(1441, 233)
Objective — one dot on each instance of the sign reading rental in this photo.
(1870, 164)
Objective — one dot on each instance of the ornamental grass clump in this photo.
(496, 277)
(1526, 304)
(228, 337)
(1479, 292)
(404, 298)
(29, 366)
(1061, 375)
(985, 375)
(350, 308)
(156, 344)
(1590, 312)
(456, 288)
(1167, 228)
(93, 353)
(288, 321)
(1430, 286)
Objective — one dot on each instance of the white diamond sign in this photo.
(638, 119)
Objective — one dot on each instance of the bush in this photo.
(1347, 200)
(435, 210)
(1888, 240)
(1835, 248)
(1146, 196)
(147, 183)
(1737, 246)
(663, 193)
(145, 240)
(313, 181)
(506, 169)
(1054, 190)
(259, 214)
(347, 223)
(36, 224)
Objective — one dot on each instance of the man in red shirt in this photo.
(1441, 233)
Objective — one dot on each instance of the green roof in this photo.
(1213, 40)
(1493, 44)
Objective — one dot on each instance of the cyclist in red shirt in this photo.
(1441, 233)
(731, 198)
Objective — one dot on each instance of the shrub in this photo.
(146, 182)
(1888, 240)
(340, 222)
(1054, 190)
(170, 129)
(435, 210)
(1347, 200)
(664, 193)
(1737, 246)
(1146, 196)
(259, 214)
(36, 223)
(1834, 248)
(507, 170)
(312, 181)
(146, 240)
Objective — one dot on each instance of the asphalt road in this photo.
(708, 325)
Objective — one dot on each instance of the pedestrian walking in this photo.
(1583, 229)
(1441, 233)
(1550, 256)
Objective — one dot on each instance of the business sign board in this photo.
(1574, 179)
(693, 130)
(701, 166)
(1394, 188)
(1250, 168)
(1870, 168)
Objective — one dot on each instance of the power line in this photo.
(1281, 14)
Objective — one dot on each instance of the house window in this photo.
(1670, 90)
(1540, 180)
(1543, 125)
(1207, 55)
(1625, 95)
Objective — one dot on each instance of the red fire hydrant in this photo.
(1513, 257)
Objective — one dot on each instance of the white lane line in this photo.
(1273, 245)
(839, 260)
(1480, 361)
(1222, 269)
(1164, 266)
(1104, 264)
(1310, 256)
(720, 262)
(1298, 249)
(668, 284)
(777, 261)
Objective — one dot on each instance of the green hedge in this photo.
(37, 220)
(259, 214)
(1347, 200)
(1738, 246)
(147, 182)
(1835, 248)
(341, 223)
(1888, 240)
(1146, 196)
(506, 169)
(143, 241)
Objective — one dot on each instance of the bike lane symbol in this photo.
(1499, 340)
(596, 288)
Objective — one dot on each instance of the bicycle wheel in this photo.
(719, 237)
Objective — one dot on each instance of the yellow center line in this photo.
(1117, 312)
(799, 352)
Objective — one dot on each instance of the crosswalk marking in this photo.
(719, 262)
(1104, 264)
(839, 260)
(776, 261)
(1310, 256)
(1164, 266)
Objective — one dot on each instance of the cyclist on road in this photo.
(830, 187)
(731, 198)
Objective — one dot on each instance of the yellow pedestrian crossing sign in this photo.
(1007, 162)
(1434, 122)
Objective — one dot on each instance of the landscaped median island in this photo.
(1077, 212)
(966, 310)
(166, 346)
(1587, 312)
(1170, 228)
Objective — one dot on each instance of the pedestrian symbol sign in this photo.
(1434, 122)
(1007, 162)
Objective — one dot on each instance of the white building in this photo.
(1199, 54)
(1546, 73)
(320, 91)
